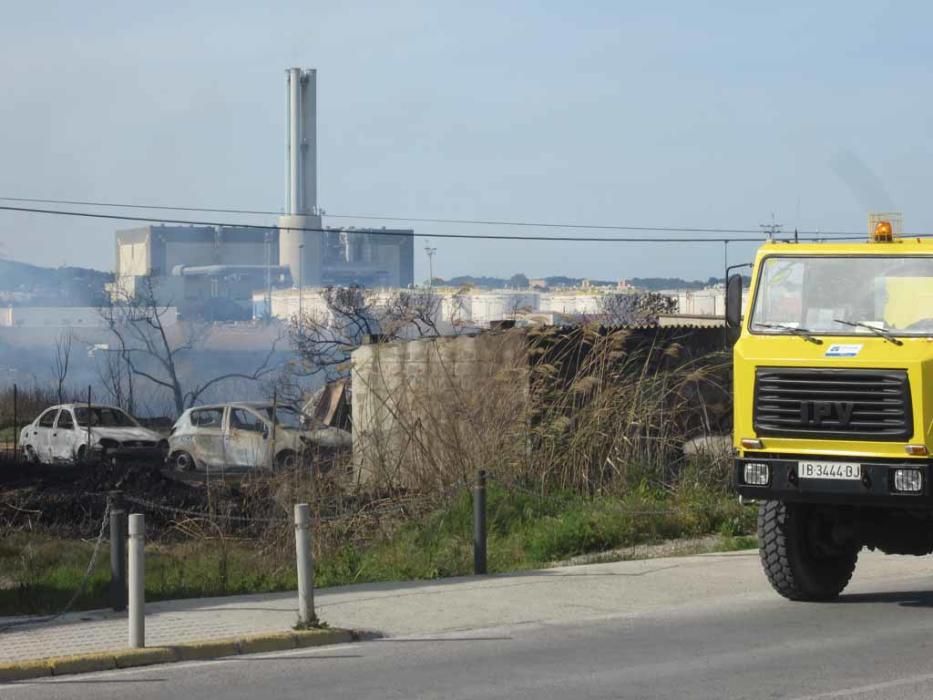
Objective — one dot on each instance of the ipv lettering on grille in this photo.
(816, 412)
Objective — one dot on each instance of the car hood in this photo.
(124, 434)
(328, 437)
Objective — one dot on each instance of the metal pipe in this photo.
(117, 557)
(275, 421)
(301, 284)
(479, 523)
(15, 422)
(87, 447)
(305, 565)
(137, 587)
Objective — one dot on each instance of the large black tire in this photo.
(798, 555)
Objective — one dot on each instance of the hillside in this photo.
(25, 284)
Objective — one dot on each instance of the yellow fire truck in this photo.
(833, 429)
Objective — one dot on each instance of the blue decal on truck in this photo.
(843, 350)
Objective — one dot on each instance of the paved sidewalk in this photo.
(422, 608)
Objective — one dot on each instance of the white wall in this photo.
(51, 317)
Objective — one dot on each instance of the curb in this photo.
(192, 651)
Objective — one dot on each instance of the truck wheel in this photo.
(798, 554)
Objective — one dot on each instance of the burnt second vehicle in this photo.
(71, 433)
(247, 436)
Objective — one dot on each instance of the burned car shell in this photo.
(61, 434)
(242, 435)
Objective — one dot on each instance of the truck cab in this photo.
(833, 402)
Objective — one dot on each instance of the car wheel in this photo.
(183, 462)
(31, 455)
(82, 454)
(286, 460)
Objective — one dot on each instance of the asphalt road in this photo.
(873, 643)
(698, 627)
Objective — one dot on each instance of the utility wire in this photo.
(467, 236)
(429, 220)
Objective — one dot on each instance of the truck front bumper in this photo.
(876, 487)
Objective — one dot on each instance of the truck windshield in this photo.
(845, 295)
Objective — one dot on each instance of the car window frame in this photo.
(54, 413)
(261, 423)
(198, 426)
(58, 420)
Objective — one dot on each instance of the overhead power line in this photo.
(426, 220)
(467, 236)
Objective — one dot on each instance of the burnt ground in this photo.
(70, 500)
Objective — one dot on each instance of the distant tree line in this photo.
(521, 281)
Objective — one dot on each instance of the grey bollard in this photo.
(305, 564)
(137, 583)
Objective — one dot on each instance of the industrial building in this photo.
(213, 272)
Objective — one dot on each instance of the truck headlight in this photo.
(908, 480)
(756, 474)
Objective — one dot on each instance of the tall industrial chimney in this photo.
(301, 250)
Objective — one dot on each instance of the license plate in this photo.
(829, 470)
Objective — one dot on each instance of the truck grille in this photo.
(847, 404)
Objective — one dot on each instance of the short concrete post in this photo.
(137, 589)
(306, 614)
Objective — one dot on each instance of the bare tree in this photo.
(152, 348)
(62, 361)
(324, 339)
(116, 377)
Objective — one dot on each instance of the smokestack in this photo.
(302, 141)
(301, 250)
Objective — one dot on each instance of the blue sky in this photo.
(663, 113)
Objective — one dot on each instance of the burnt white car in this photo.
(246, 435)
(79, 432)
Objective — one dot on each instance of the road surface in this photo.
(876, 642)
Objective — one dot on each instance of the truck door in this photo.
(64, 439)
(247, 439)
(208, 442)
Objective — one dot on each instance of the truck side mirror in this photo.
(734, 301)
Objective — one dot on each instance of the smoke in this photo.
(864, 185)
